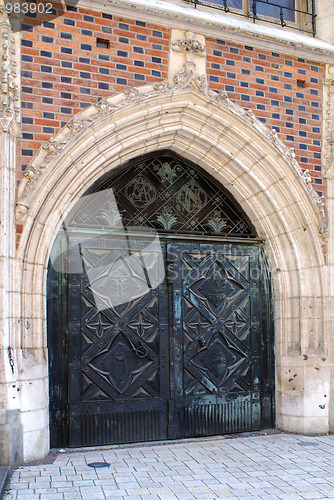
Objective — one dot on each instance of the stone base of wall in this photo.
(11, 438)
(303, 394)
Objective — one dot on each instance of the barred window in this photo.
(299, 14)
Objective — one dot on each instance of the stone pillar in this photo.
(11, 449)
(330, 306)
(305, 370)
(328, 166)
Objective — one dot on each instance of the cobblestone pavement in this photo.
(262, 466)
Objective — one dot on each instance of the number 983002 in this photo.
(15, 7)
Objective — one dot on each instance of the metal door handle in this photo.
(141, 350)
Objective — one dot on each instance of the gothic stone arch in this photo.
(249, 161)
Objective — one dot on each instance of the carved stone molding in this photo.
(76, 125)
(328, 147)
(20, 210)
(9, 96)
(53, 147)
(131, 94)
(186, 47)
(104, 106)
(190, 46)
(30, 176)
(186, 79)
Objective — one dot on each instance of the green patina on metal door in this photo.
(158, 335)
(218, 300)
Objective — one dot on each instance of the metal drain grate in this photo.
(98, 465)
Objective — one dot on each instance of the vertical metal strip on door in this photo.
(57, 326)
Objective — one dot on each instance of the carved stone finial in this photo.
(187, 78)
(161, 87)
(131, 94)
(222, 97)
(273, 136)
(249, 115)
(291, 153)
(76, 125)
(104, 106)
(186, 47)
(182, 78)
(30, 176)
(321, 202)
(306, 177)
(53, 147)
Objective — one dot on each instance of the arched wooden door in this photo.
(159, 312)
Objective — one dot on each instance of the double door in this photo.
(163, 340)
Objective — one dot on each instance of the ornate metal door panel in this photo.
(118, 344)
(134, 357)
(216, 369)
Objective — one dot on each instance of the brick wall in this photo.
(282, 91)
(67, 65)
(71, 61)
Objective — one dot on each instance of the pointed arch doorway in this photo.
(159, 311)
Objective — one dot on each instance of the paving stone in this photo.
(73, 477)
(72, 496)
(19, 486)
(10, 495)
(115, 494)
(262, 467)
(51, 496)
(105, 482)
(32, 496)
(26, 493)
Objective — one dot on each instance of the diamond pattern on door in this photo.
(217, 327)
(134, 357)
(117, 367)
(96, 325)
(218, 360)
(122, 360)
(217, 364)
(182, 359)
(216, 287)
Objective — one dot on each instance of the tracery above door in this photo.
(166, 194)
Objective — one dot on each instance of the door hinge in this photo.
(65, 341)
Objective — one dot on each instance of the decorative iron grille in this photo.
(163, 193)
(298, 14)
